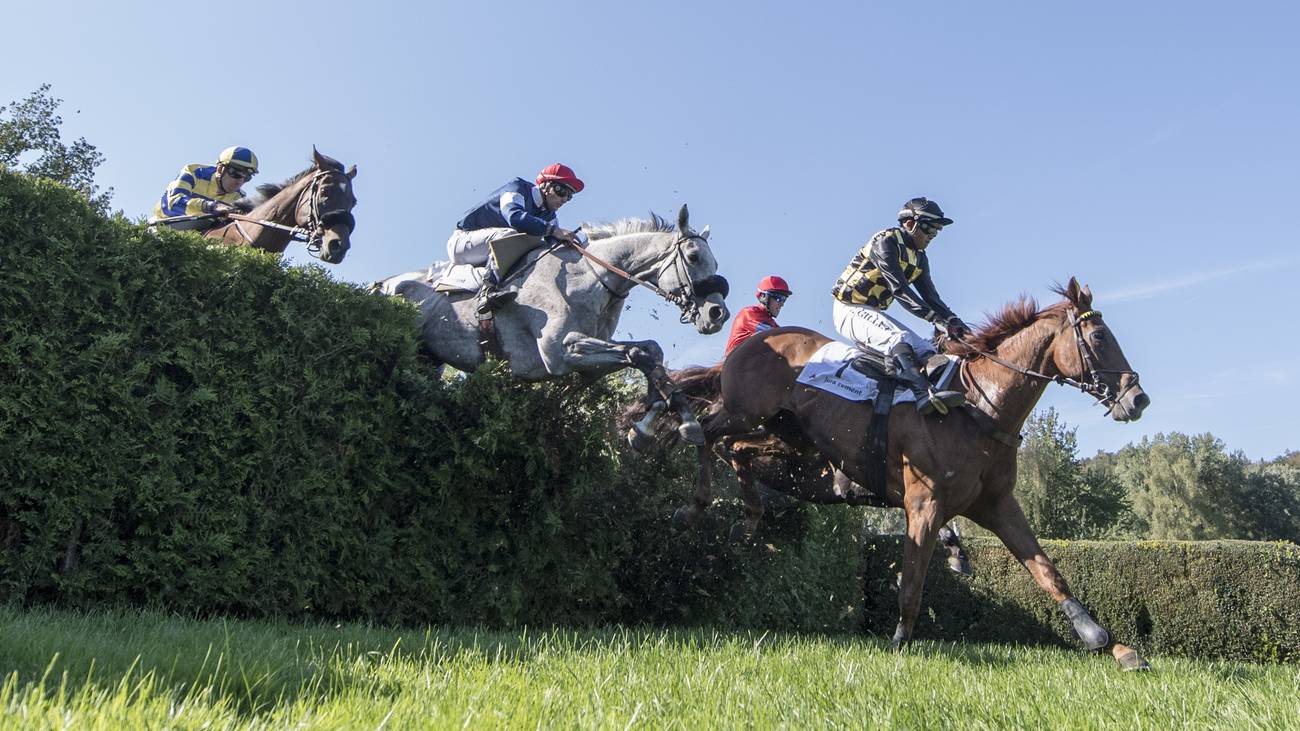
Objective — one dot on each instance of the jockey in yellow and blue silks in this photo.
(894, 266)
(516, 207)
(206, 189)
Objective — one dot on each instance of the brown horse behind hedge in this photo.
(961, 464)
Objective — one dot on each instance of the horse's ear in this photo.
(683, 219)
(352, 172)
(704, 233)
(1085, 297)
(316, 157)
(1072, 291)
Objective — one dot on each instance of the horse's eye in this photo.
(1098, 341)
(693, 258)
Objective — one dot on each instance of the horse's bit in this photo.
(317, 222)
(1092, 383)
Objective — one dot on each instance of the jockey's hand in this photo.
(221, 209)
(565, 235)
(956, 329)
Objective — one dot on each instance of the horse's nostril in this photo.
(1142, 401)
(715, 312)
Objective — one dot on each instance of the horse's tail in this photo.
(701, 384)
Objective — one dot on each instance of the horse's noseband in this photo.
(320, 221)
(1091, 377)
(716, 284)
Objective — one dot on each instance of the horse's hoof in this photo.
(960, 565)
(901, 638)
(1130, 661)
(682, 518)
(638, 441)
(692, 433)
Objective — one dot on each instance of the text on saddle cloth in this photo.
(828, 370)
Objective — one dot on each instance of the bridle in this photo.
(1091, 383)
(318, 221)
(683, 296)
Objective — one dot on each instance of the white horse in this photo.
(568, 307)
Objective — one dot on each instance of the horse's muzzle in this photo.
(711, 315)
(333, 249)
(1130, 406)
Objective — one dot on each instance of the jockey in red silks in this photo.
(772, 294)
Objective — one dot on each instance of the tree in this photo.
(32, 126)
(1060, 497)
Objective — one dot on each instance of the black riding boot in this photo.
(490, 299)
(927, 400)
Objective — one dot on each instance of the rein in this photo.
(314, 232)
(1093, 386)
(683, 297)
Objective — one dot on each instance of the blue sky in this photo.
(1150, 149)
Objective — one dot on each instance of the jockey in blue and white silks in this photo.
(893, 265)
(514, 208)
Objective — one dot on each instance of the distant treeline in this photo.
(1167, 487)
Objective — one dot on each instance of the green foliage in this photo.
(1192, 488)
(1060, 497)
(153, 671)
(1225, 599)
(32, 126)
(205, 430)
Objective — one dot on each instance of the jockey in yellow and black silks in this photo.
(202, 189)
(893, 266)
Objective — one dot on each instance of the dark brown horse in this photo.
(961, 464)
(313, 206)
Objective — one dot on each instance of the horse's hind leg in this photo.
(753, 501)
(923, 521)
(1007, 521)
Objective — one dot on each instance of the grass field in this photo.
(67, 670)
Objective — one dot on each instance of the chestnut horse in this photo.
(960, 464)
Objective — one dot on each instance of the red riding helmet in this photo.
(774, 284)
(560, 173)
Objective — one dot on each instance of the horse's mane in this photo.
(267, 191)
(624, 226)
(1011, 319)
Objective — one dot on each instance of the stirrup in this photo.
(493, 301)
(940, 402)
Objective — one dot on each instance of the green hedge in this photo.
(1228, 599)
(206, 430)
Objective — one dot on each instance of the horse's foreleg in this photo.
(950, 537)
(686, 515)
(1007, 521)
(923, 521)
(596, 357)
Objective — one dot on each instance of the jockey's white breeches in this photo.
(870, 327)
(471, 247)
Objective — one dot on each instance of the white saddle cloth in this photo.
(829, 371)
